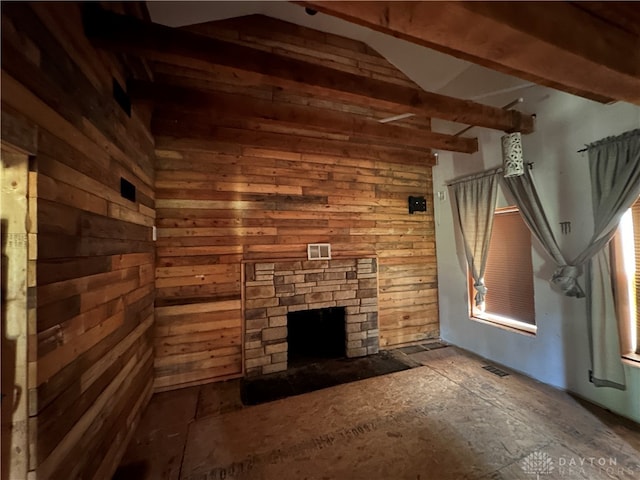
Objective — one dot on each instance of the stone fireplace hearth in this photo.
(273, 289)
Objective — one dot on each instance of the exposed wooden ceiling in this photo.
(229, 105)
(591, 49)
(176, 51)
(621, 15)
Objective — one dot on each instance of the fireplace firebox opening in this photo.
(315, 335)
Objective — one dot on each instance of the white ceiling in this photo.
(432, 70)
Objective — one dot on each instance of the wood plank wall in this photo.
(247, 188)
(95, 269)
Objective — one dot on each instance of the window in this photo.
(509, 274)
(627, 268)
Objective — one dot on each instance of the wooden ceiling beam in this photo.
(174, 135)
(255, 133)
(357, 127)
(556, 44)
(204, 129)
(157, 42)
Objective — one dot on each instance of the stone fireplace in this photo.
(274, 289)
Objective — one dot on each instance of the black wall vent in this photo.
(127, 190)
(121, 97)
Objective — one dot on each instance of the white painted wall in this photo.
(558, 354)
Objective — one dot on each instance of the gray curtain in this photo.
(475, 204)
(614, 164)
(525, 195)
(602, 316)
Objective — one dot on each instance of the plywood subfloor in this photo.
(449, 419)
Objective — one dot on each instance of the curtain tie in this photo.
(481, 291)
(566, 278)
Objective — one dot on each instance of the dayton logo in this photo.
(537, 463)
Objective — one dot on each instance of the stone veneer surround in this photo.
(273, 289)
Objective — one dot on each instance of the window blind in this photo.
(509, 271)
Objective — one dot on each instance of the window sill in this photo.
(505, 323)
(631, 359)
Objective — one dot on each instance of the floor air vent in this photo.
(433, 345)
(495, 370)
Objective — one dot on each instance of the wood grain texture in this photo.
(520, 39)
(317, 77)
(92, 342)
(232, 190)
(194, 105)
(450, 419)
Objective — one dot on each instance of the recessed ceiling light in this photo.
(310, 11)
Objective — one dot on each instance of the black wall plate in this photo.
(417, 204)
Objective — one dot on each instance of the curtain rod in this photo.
(486, 173)
(475, 176)
(630, 133)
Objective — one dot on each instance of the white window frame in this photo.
(629, 354)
